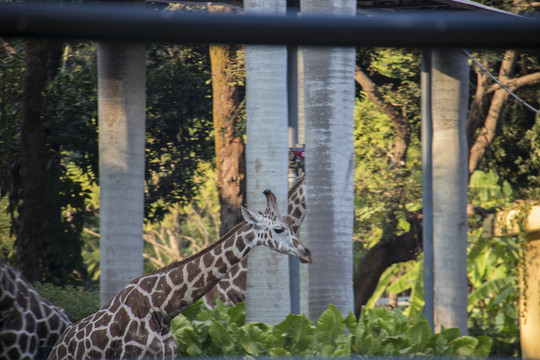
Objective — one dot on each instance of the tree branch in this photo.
(478, 105)
(515, 84)
(488, 132)
(401, 125)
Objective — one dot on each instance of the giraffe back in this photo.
(27, 320)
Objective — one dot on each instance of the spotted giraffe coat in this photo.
(136, 323)
(27, 320)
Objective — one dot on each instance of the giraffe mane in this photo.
(296, 185)
(203, 251)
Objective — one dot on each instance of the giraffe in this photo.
(27, 321)
(136, 323)
(232, 288)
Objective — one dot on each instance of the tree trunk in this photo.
(267, 297)
(488, 132)
(450, 81)
(478, 106)
(230, 148)
(121, 112)
(329, 113)
(33, 162)
(230, 157)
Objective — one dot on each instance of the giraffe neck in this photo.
(182, 283)
(297, 203)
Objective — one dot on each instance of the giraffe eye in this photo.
(279, 230)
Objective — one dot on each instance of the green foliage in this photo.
(383, 192)
(7, 240)
(515, 155)
(379, 332)
(411, 283)
(185, 230)
(492, 268)
(179, 125)
(77, 301)
(492, 274)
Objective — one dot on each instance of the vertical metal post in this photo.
(427, 186)
(292, 90)
(292, 99)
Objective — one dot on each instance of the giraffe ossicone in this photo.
(136, 323)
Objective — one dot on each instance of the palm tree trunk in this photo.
(329, 111)
(450, 79)
(121, 112)
(267, 296)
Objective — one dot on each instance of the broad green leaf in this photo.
(194, 310)
(365, 344)
(416, 304)
(343, 345)
(406, 281)
(450, 334)
(330, 325)
(503, 295)
(383, 283)
(296, 333)
(463, 346)
(483, 348)
(488, 289)
(437, 343)
(254, 339)
(178, 323)
(279, 352)
(237, 313)
(394, 343)
(419, 335)
(382, 314)
(350, 322)
(401, 322)
(189, 343)
(219, 336)
(326, 350)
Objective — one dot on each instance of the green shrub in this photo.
(77, 301)
(379, 332)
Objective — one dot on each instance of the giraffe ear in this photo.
(252, 217)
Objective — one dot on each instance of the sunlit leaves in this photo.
(379, 332)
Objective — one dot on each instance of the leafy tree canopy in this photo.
(178, 139)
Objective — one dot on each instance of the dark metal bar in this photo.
(292, 104)
(129, 22)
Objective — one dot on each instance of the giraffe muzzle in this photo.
(305, 257)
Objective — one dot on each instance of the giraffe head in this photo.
(275, 231)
